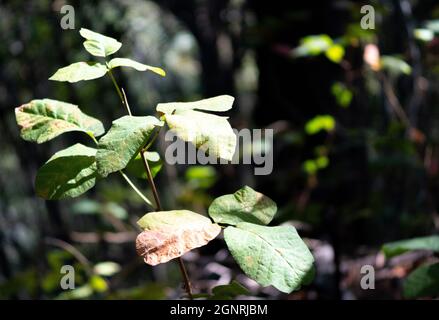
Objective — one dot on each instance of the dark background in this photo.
(379, 185)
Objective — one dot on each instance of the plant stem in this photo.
(124, 100)
(156, 134)
(135, 188)
(151, 181)
(120, 92)
(183, 271)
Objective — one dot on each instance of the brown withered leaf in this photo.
(170, 234)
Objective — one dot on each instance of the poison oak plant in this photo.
(270, 255)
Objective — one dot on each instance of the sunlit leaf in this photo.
(423, 282)
(170, 234)
(395, 65)
(82, 292)
(123, 142)
(313, 45)
(80, 71)
(219, 103)
(399, 247)
(319, 123)
(274, 256)
(125, 62)
(424, 34)
(98, 44)
(245, 205)
(98, 284)
(335, 53)
(210, 133)
(68, 174)
(106, 268)
(43, 120)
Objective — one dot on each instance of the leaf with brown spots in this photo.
(126, 137)
(170, 234)
(274, 256)
(43, 120)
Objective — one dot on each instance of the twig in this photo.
(126, 102)
(71, 249)
(135, 188)
(183, 271)
(151, 181)
(120, 92)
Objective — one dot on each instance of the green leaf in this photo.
(423, 282)
(80, 71)
(98, 284)
(67, 174)
(274, 256)
(136, 167)
(311, 166)
(245, 205)
(202, 177)
(342, 94)
(98, 44)
(123, 142)
(125, 62)
(228, 291)
(424, 34)
(218, 104)
(399, 247)
(43, 120)
(107, 268)
(82, 292)
(319, 123)
(207, 132)
(170, 234)
(313, 45)
(395, 65)
(335, 53)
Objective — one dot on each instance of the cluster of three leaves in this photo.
(270, 255)
(100, 46)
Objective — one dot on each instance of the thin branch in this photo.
(72, 250)
(156, 134)
(151, 181)
(132, 185)
(126, 102)
(183, 270)
(120, 92)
